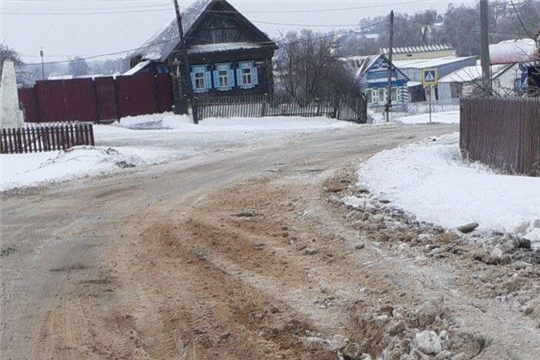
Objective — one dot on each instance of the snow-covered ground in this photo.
(150, 139)
(446, 117)
(430, 181)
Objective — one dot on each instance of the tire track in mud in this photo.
(214, 313)
(230, 281)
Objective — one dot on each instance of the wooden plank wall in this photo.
(503, 133)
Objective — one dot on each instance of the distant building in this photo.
(513, 51)
(371, 74)
(507, 80)
(420, 52)
(414, 69)
(512, 64)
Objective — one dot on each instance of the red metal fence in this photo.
(97, 100)
(40, 138)
(502, 133)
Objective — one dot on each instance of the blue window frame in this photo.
(247, 76)
(223, 77)
(201, 79)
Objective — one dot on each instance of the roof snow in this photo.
(159, 46)
(360, 64)
(137, 68)
(513, 51)
(473, 73)
(418, 49)
(428, 63)
(222, 47)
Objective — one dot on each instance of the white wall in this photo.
(504, 85)
(10, 114)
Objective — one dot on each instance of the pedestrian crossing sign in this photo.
(430, 77)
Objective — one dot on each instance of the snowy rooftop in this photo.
(222, 47)
(513, 51)
(473, 73)
(159, 46)
(60, 77)
(359, 64)
(429, 63)
(418, 49)
(137, 68)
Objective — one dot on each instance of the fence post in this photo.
(91, 133)
(264, 100)
(194, 110)
(336, 107)
(2, 139)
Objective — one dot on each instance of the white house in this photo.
(506, 80)
(509, 64)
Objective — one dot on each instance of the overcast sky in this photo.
(68, 28)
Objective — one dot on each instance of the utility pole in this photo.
(390, 51)
(42, 65)
(484, 39)
(186, 93)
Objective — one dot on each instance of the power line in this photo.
(177, 39)
(81, 13)
(458, 28)
(90, 11)
(21, 12)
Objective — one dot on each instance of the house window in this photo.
(223, 77)
(394, 94)
(199, 81)
(247, 75)
(200, 78)
(374, 97)
(382, 95)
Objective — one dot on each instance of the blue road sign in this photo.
(430, 77)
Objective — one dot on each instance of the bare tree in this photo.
(308, 67)
(78, 66)
(9, 53)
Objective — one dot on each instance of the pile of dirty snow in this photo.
(431, 181)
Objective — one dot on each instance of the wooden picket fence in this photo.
(45, 137)
(350, 108)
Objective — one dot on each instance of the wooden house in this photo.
(226, 54)
(371, 74)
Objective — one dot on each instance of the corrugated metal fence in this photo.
(97, 100)
(342, 108)
(502, 133)
(49, 137)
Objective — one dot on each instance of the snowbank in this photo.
(147, 140)
(431, 181)
(212, 125)
(77, 162)
(450, 117)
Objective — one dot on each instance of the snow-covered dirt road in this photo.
(251, 254)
